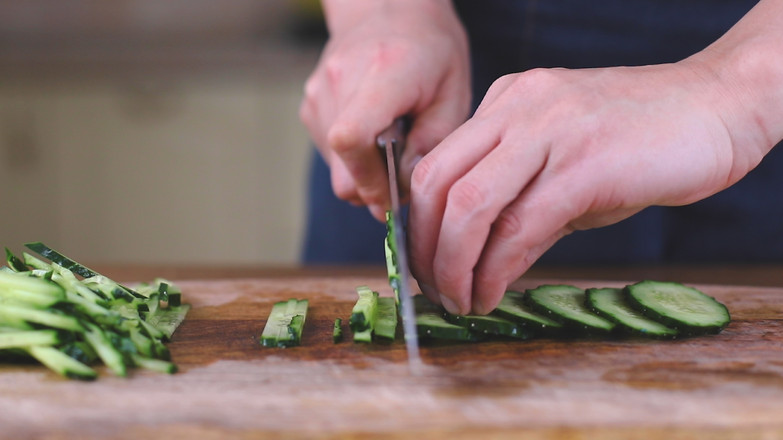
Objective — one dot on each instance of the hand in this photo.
(553, 151)
(384, 60)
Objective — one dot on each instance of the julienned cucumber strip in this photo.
(386, 319)
(675, 305)
(67, 323)
(363, 313)
(284, 326)
(611, 303)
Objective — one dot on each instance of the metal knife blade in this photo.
(392, 140)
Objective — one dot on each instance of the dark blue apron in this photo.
(741, 224)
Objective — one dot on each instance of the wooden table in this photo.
(728, 385)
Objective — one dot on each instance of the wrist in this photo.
(344, 14)
(747, 81)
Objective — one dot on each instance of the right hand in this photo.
(385, 59)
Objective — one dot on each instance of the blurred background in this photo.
(148, 131)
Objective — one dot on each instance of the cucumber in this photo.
(488, 325)
(431, 324)
(566, 304)
(611, 303)
(386, 319)
(284, 326)
(684, 308)
(26, 338)
(67, 323)
(337, 332)
(37, 292)
(390, 249)
(363, 312)
(61, 363)
(513, 308)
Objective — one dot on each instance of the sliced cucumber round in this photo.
(611, 303)
(566, 304)
(675, 305)
(513, 308)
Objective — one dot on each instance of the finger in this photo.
(430, 182)
(523, 231)
(474, 203)
(448, 111)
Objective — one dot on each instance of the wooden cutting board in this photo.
(728, 385)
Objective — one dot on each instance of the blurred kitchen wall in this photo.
(148, 131)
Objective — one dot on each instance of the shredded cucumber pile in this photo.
(70, 318)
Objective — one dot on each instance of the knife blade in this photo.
(393, 140)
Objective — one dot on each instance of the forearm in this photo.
(344, 14)
(746, 63)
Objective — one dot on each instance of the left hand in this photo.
(551, 151)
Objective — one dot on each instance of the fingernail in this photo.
(449, 305)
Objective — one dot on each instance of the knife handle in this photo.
(394, 136)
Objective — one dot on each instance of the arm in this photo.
(384, 59)
(550, 151)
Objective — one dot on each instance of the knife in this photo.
(392, 140)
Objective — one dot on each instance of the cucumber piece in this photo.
(431, 324)
(363, 313)
(488, 325)
(513, 308)
(105, 350)
(158, 365)
(26, 338)
(19, 288)
(61, 363)
(681, 307)
(611, 303)
(386, 319)
(566, 304)
(168, 320)
(390, 249)
(363, 336)
(56, 257)
(14, 262)
(14, 313)
(337, 332)
(284, 326)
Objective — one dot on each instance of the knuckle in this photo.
(466, 197)
(342, 137)
(507, 226)
(423, 175)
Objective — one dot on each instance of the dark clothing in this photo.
(741, 224)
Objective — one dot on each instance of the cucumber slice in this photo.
(108, 353)
(168, 320)
(566, 304)
(513, 308)
(488, 325)
(681, 307)
(386, 319)
(15, 263)
(431, 324)
(611, 303)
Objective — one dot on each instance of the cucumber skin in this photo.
(571, 327)
(621, 326)
(684, 328)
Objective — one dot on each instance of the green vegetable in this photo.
(513, 308)
(566, 304)
(386, 319)
(363, 313)
(678, 306)
(284, 326)
(337, 333)
(611, 303)
(66, 323)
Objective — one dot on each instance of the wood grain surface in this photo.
(728, 385)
